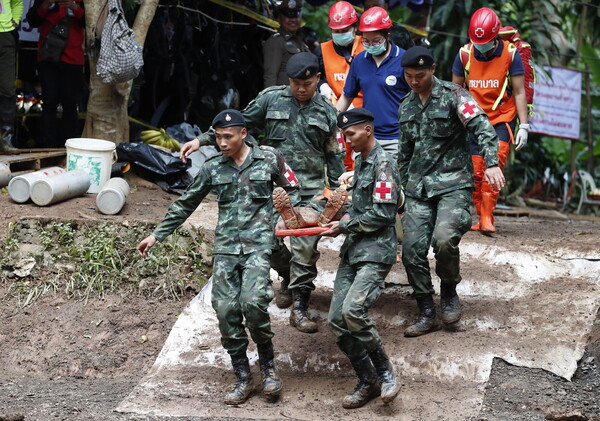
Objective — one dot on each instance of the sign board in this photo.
(557, 103)
(26, 32)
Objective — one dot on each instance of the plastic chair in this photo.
(587, 185)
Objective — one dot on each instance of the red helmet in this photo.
(374, 19)
(341, 15)
(484, 26)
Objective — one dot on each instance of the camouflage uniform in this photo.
(368, 253)
(306, 137)
(436, 172)
(277, 50)
(243, 239)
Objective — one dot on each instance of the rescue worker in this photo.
(494, 74)
(437, 175)
(282, 45)
(10, 16)
(301, 124)
(367, 256)
(378, 73)
(337, 54)
(243, 176)
(400, 35)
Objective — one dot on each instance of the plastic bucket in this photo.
(19, 187)
(93, 156)
(60, 187)
(112, 197)
(4, 175)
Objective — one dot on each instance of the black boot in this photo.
(450, 304)
(6, 138)
(284, 296)
(427, 321)
(243, 386)
(298, 316)
(368, 386)
(270, 380)
(390, 386)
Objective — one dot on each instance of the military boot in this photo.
(390, 386)
(270, 380)
(450, 304)
(368, 385)
(242, 388)
(298, 316)
(427, 321)
(6, 137)
(284, 296)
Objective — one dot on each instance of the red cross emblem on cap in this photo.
(468, 108)
(290, 176)
(479, 32)
(337, 17)
(383, 190)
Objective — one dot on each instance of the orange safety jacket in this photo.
(336, 68)
(488, 81)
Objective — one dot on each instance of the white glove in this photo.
(521, 139)
(327, 92)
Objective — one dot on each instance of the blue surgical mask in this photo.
(344, 38)
(484, 48)
(378, 50)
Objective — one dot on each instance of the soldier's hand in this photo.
(145, 245)
(494, 176)
(334, 229)
(188, 148)
(346, 177)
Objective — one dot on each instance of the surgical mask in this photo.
(344, 38)
(484, 48)
(376, 51)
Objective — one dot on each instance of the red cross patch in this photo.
(383, 190)
(468, 109)
(341, 140)
(290, 176)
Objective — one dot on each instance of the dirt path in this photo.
(68, 360)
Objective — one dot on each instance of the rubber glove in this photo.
(521, 139)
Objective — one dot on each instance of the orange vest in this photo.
(336, 68)
(487, 81)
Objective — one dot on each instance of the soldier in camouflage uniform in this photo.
(300, 123)
(283, 44)
(242, 175)
(367, 256)
(437, 175)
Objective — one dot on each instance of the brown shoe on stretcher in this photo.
(301, 217)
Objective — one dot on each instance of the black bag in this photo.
(55, 42)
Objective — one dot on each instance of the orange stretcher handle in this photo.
(301, 231)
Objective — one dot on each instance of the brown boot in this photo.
(450, 304)
(284, 296)
(283, 204)
(427, 320)
(368, 386)
(334, 204)
(298, 316)
(242, 388)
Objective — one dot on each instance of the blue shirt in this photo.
(516, 68)
(382, 87)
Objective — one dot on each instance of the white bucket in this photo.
(4, 175)
(19, 187)
(59, 187)
(112, 197)
(93, 156)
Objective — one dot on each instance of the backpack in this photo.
(510, 34)
(120, 59)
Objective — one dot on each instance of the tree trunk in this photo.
(107, 105)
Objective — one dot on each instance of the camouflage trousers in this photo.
(440, 221)
(299, 264)
(241, 291)
(356, 288)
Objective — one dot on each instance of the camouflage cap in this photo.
(289, 8)
(228, 118)
(417, 58)
(354, 116)
(302, 66)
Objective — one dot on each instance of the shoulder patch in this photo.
(466, 107)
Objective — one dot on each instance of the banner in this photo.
(26, 32)
(557, 103)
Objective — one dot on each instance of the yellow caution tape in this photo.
(247, 12)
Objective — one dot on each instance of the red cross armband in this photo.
(385, 191)
(466, 107)
(290, 176)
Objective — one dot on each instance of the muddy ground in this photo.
(66, 359)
